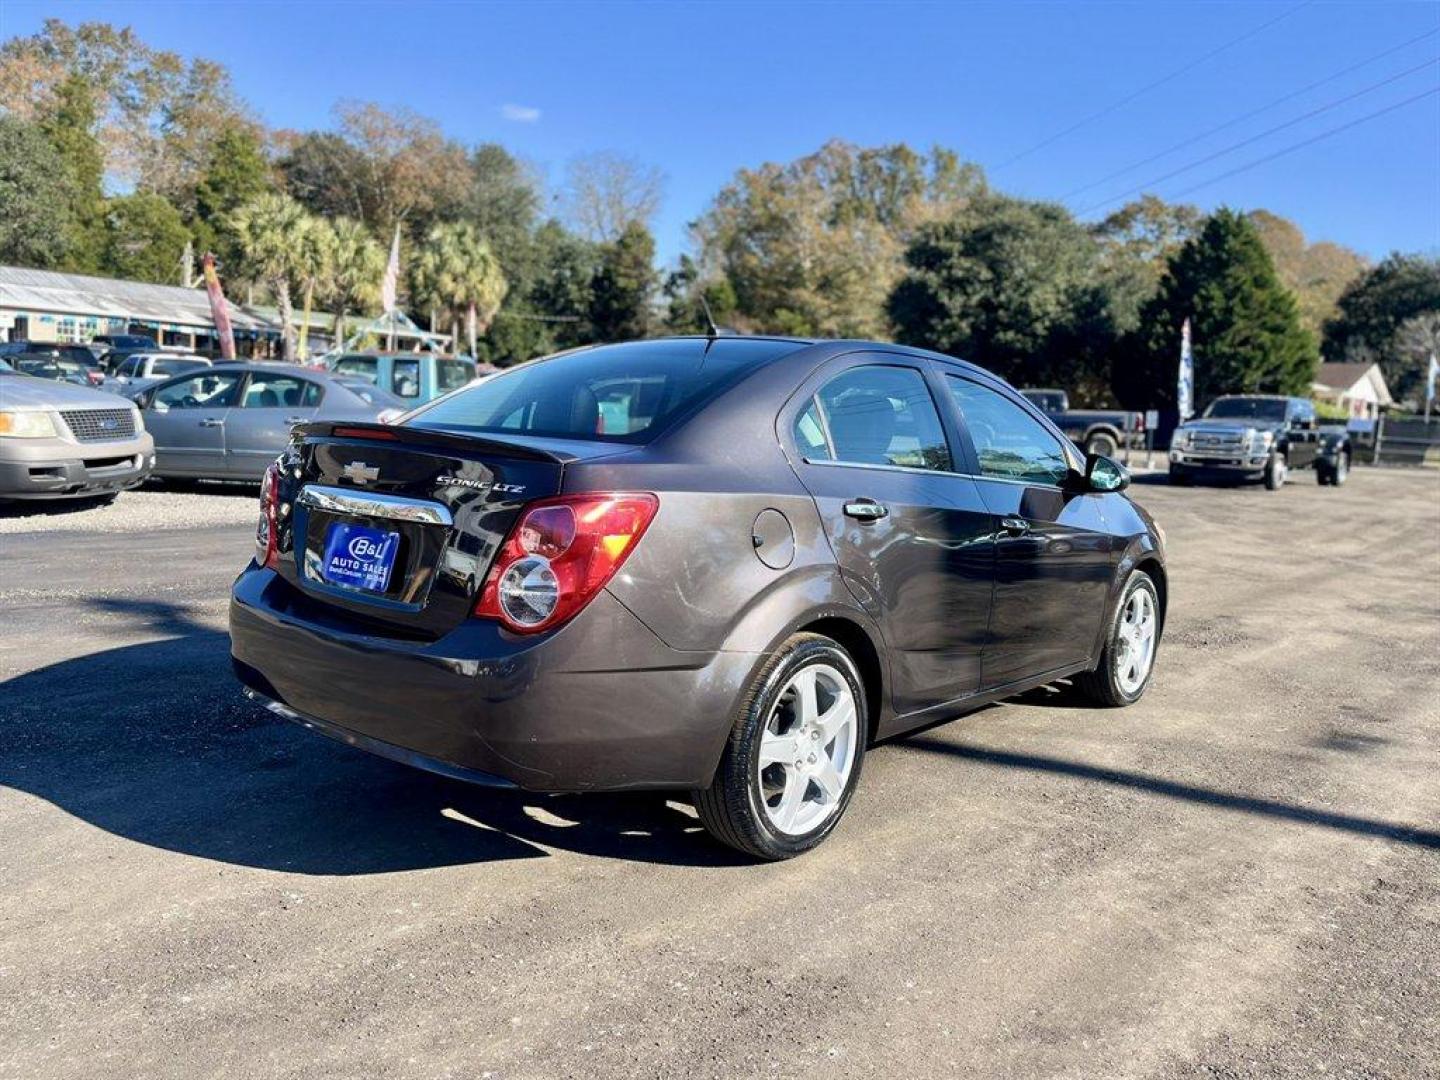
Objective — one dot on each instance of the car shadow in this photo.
(32, 508)
(154, 742)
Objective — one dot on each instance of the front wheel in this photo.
(1128, 659)
(794, 755)
(1275, 472)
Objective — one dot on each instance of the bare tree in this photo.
(606, 191)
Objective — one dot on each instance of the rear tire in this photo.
(1179, 477)
(1336, 474)
(1102, 443)
(1275, 472)
(1128, 660)
(758, 789)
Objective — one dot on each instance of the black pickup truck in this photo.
(1258, 437)
(1096, 431)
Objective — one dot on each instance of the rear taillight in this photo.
(559, 555)
(267, 530)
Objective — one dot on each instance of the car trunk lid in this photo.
(394, 528)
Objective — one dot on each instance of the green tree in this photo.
(456, 272)
(1245, 324)
(237, 172)
(1012, 285)
(359, 266)
(684, 288)
(70, 127)
(624, 285)
(549, 308)
(144, 239)
(1373, 308)
(314, 269)
(814, 246)
(269, 233)
(35, 202)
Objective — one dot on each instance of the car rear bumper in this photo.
(56, 469)
(601, 704)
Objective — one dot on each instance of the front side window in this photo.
(452, 374)
(273, 390)
(363, 366)
(213, 391)
(882, 415)
(1010, 443)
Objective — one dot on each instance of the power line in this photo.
(1150, 86)
(1307, 142)
(1249, 115)
(1262, 135)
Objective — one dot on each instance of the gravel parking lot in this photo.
(1238, 877)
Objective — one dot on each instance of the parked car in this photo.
(1096, 431)
(1254, 437)
(67, 363)
(124, 341)
(413, 377)
(139, 370)
(59, 441)
(228, 422)
(770, 554)
(391, 407)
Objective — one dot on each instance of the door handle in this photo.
(865, 510)
(211, 422)
(296, 419)
(1014, 526)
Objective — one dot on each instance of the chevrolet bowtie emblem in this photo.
(359, 472)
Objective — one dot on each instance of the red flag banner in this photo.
(219, 311)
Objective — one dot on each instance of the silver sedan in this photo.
(230, 421)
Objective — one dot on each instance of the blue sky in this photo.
(703, 89)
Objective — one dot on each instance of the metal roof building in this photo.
(44, 305)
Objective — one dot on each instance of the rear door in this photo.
(257, 430)
(187, 419)
(1302, 434)
(913, 538)
(1053, 552)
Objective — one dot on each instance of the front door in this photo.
(257, 431)
(186, 417)
(912, 538)
(1053, 552)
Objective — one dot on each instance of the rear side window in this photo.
(810, 434)
(615, 393)
(1010, 443)
(882, 415)
(272, 390)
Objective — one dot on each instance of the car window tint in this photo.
(623, 393)
(363, 366)
(452, 374)
(210, 391)
(1010, 443)
(884, 416)
(810, 434)
(274, 390)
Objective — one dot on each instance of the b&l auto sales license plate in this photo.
(358, 557)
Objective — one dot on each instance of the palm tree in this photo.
(315, 259)
(358, 267)
(268, 232)
(457, 272)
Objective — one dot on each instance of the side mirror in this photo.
(1105, 474)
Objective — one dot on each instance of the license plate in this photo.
(359, 557)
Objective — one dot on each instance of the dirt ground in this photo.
(1238, 877)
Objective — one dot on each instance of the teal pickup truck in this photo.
(416, 377)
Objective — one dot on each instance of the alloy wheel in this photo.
(1135, 641)
(807, 750)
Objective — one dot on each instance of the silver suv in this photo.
(59, 441)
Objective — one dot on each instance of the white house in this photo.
(1359, 388)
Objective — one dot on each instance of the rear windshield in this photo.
(615, 393)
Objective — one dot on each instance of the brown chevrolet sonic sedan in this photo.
(725, 565)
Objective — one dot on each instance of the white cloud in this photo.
(520, 114)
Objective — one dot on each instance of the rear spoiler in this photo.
(400, 435)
